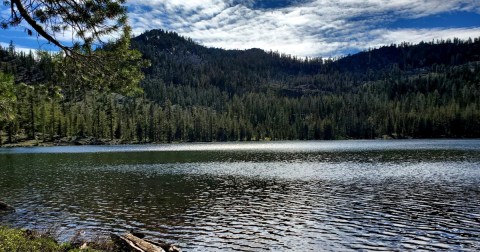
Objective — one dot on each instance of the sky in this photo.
(304, 28)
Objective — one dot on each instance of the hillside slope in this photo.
(423, 90)
(194, 93)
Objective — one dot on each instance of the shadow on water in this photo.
(251, 199)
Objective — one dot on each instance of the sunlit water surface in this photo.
(306, 196)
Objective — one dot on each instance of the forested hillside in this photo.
(194, 93)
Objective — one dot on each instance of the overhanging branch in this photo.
(38, 28)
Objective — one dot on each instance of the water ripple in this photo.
(381, 201)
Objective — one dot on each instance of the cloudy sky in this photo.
(326, 28)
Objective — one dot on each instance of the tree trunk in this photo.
(136, 244)
(52, 121)
(32, 117)
(44, 122)
(10, 133)
(111, 121)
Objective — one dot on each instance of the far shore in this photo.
(68, 141)
(92, 141)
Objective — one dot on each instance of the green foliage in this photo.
(12, 239)
(7, 98)
(120, 71)
(82, 66)
(193, 93)
(29, 68)
(88, 20)
(18, 240)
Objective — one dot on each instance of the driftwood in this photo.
(134, 242)
(166, 246)
(6, 207)
(130, 242)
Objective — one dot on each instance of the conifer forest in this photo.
(191, 93)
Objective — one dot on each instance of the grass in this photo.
(12, 240)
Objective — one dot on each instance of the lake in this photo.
(306, 196)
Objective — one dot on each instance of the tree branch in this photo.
(38, 28)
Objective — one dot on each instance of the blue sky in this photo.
(310, 28)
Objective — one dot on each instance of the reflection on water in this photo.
(368, 195)
(278, 146)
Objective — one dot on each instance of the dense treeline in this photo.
(408, 56)
(193, 93)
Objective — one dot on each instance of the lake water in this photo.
(306, 196)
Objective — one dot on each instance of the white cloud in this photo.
(314, 28)
(305, 28)
(19, 48)
(426, 35)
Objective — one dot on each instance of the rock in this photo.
(87, 141)
(6, 207)
(84, 246)
(29, 234)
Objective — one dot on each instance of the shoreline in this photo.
(20, 239)
(91, 141)
(72, 141)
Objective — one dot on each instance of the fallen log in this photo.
(166, 246)
(6, 207)
(130, 242)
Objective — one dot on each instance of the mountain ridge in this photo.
(167, 49)
(193, 93)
